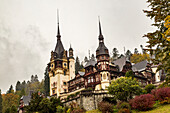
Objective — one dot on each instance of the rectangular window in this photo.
(64, 90)
(88, 79)
(53, 91)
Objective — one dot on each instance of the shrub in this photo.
(149, 88)
(105, 107)
(142, 102)
(161, 94)
(78, 110)
(123, 105)
(124, 110)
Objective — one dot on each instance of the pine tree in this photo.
(18, 86)
(136, 51)
(86, 59)
(115, 54)
(11, 90)
(159, 11)
(77, 65)
(0, 102)
(46, 82)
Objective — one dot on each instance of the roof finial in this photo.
(58, 33)
(100, 31)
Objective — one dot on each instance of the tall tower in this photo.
(71, 63)
(102, 56)
(58, 68)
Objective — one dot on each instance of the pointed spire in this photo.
(58, 32)
(100, 31)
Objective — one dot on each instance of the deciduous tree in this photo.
(159, 11)
(124, 88)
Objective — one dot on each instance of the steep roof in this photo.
(102, 49)
(139, 66)
(59, 49)
(91, 62)
(120, 62)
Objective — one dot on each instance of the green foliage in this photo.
(60, 109)
(0, 102)
(46, 83)
(45, 105)
(159, 39)
(124, 88)
(129, 74)
(123, 105)
(7, 110)
(34, 105)
(13, 109)
(54, 103)
(149, 88)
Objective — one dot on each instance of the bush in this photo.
(149, 88)
(78, 110)
(123, 105)
(105, 107)
(161, 94)
(124, 110)
(142, 102)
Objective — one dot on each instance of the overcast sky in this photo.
(28, 31)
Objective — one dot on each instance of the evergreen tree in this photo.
(136, 51)
(86, 59)
(92, 56)
(128, 54)
(77, 65)
(10, 90)
(18, 86)
(0, 102)
(46, 82)
(115, 54)
(160, 39)
(23, 85)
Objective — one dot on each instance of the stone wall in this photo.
(88, 100)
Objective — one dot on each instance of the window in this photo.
(64, 83)
(64, 90)
(91, 79)
(64, 73)
(88, 79)
(53, 91)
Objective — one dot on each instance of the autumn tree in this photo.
(0, 102)
(160, 39)
(135, 58)
(9, 100)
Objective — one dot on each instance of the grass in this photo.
(94, 111)
(160, 109)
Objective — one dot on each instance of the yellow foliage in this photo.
(135, 58)
(166, 34)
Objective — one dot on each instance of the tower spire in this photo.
(58, 32)
(100, 32)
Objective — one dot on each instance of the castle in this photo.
(99, 71)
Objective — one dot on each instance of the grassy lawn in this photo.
(160, 109)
